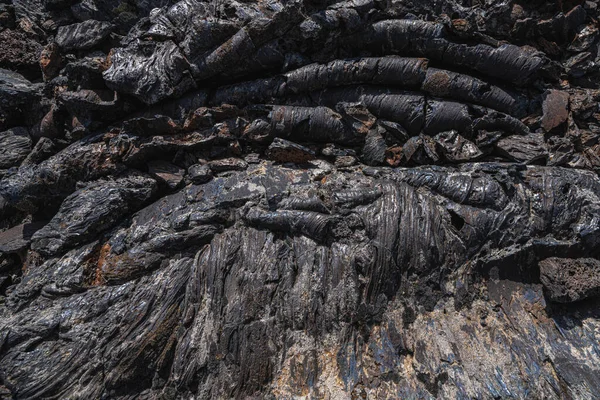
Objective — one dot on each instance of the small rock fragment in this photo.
(321, 169)
(50, 61)
(523, 148)
(345, 161)
(199, 174)
(282, 150)
(555, 109)
(586, 36)
(581, 64)
(228, 164)
(18, 238)
(393, 156)
(99, 105)
(166, 172)
(420, 150)
(148, 126)
(456, 148)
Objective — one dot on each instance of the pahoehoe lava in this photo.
(299, 199)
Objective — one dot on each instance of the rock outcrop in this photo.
(299, 199)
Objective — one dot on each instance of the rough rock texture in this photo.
(299, 199)
(567, 280)
(81, 36)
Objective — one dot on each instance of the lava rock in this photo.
(568, 280)
(228, 164)
(282, 150)
(17, 239)
(83, 35)
(43, 149)
(19, 52)
(351, 199)
(523, 148)
(200, 173)
(148, 126)
(15, 145)
(91, 210)
(456, 148)
(165, 172)
(374, 149)
(150, 71)
(15, 90)
(555, 109)
(50, 61)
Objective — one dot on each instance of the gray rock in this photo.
(285, 151)
(83, 35)
(523, 148)
(166, 172)
(17, 239)
(15, 145)
(200, 173)
(228, 164)
(456, 148)
(15, 90)
(150, 71)
(92, 210)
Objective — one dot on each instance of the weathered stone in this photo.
(373, 152)
(19, 52)
(15, 90)
(523, 148)
(50, 61)
(17, 239)
(345, 161)
(91, 210)
(282, 150)
(165, 172)
(456, 148)
(200, 173)
(151, 79)
(15, 145)
(83, 35)
(567, 280)
(228, 164)
(299, 199)
(555, 109)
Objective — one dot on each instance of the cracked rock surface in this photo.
(299, 199)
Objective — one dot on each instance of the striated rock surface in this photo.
(299, 199)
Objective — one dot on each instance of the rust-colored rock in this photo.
(19, 52)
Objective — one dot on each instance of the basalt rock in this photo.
(569, 280)
(299, 199)
(15, 145)
(83, 35)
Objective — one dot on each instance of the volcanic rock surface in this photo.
(299, 199)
